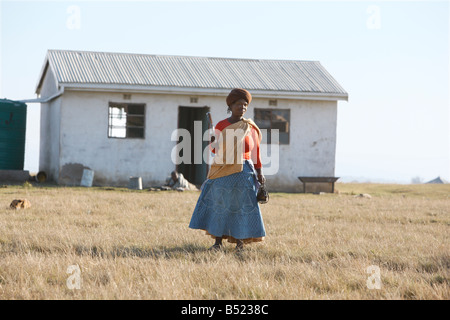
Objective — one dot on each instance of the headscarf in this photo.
(237, 94)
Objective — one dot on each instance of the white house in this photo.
(117, 114)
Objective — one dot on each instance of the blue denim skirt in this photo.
(227, 207)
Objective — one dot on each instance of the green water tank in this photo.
(13, 120)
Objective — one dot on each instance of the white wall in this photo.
(85, 142)
(49, 129)
(74, 135)
(312, 146)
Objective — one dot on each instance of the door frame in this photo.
(205, 166)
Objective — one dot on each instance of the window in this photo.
(126, 120)
(269, 119)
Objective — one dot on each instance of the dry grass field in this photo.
(137, 245)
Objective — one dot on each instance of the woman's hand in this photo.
(261, 178)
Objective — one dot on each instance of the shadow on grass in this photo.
(190, 251)
(141, 252)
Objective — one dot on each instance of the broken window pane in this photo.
(274, 119)
(126, 120)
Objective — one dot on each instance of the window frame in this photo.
(126, 105)
(269, 133)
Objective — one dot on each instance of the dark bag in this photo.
(263, 194)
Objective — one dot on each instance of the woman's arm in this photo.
(261, 177)
(257, 154)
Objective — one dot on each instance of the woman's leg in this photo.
(217, 245)
(218, 241)
(239, 244)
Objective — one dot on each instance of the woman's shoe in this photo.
(215, 247)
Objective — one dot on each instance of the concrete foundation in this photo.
(14, 176)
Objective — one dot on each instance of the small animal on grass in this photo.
(20, 204)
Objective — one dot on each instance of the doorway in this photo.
(194, 172)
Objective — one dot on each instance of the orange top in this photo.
(251, 143)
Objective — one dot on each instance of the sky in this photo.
(392, 57)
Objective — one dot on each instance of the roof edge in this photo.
(45, 67)
(205, 91)
(175, 55)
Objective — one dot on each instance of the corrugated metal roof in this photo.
(83, 67)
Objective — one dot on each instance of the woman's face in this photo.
(239, 107)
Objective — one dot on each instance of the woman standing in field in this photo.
(227, 207)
